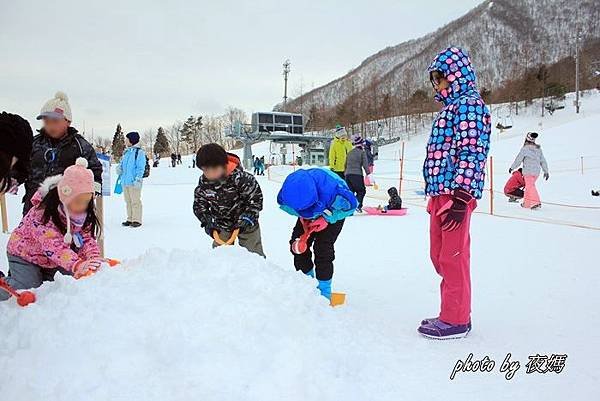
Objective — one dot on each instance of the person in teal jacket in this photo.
(321, 200)
(131, 175)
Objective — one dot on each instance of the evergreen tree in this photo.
(191, 132)
(161, 146)
(118, 143)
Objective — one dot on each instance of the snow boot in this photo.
(431, 319)
(126, 223)
(135, 224)
(440, 330)
(512, 199)
(325, 288)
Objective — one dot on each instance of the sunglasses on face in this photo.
(436, 77)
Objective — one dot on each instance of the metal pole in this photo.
(581, 165)
(286, 71)
(401, 170)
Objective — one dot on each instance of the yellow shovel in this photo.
(337, 298)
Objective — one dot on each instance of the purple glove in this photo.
(455, 210)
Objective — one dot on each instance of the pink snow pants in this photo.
(450, 252)
(532, 197)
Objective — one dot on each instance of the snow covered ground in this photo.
(179, 321)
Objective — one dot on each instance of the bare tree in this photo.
(147, 141)
(174, 136)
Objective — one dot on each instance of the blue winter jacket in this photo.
(316, 192)
(460, 137)
(132, 166)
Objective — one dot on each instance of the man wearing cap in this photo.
(131, 174)
(56, 147)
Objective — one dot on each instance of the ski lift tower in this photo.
(280, 128)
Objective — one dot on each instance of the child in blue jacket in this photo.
(321, 201)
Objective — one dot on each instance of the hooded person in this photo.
(533, 161)
(321, 201)
(227, 198)
(16, 138)
(56, 147)
(357, 163)
(338, 151)
(454, 172)
(514, 186)
(58, 233)
(131, 172)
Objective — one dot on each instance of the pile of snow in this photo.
(224, 325)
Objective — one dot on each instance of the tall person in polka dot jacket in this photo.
(454, 172)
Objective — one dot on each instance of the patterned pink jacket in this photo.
(43, 244)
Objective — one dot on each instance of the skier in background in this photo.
(56, 147)
(338, 150)
(178, 158)
(228, 198)
(514, 186)
(454, 171)
(321, 201)
(173, 159)
(16, 138)
(356, 163)
(261, 165)
(533, 160)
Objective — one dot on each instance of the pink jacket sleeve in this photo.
(90, 247)
(55, 249)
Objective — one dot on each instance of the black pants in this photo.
(323, 246)
(341, 174)
(517, 193)
(357, 185)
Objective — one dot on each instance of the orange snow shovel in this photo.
(110, 262)
(24, 298)
(230, 241)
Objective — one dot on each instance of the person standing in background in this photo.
(338, 151)
(131, 172)
(356, 163)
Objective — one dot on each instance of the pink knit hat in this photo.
(76, 180)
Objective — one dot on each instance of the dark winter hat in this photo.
(357, 140)
(392, 192)
(16, 136)
(133, 137)
(211, 155)
(531, 136)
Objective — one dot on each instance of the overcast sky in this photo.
(147, 63)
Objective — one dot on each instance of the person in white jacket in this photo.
(533, 161)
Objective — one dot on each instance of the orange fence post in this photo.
(491, 185)
(293, 157)
(401, 169)
(581, 165)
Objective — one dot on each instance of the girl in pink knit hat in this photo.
(58, 233)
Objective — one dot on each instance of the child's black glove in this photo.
(455, 212)
(208, 223)
(245, 222)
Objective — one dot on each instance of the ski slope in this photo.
(179, 321)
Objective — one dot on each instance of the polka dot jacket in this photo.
(460, 136)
